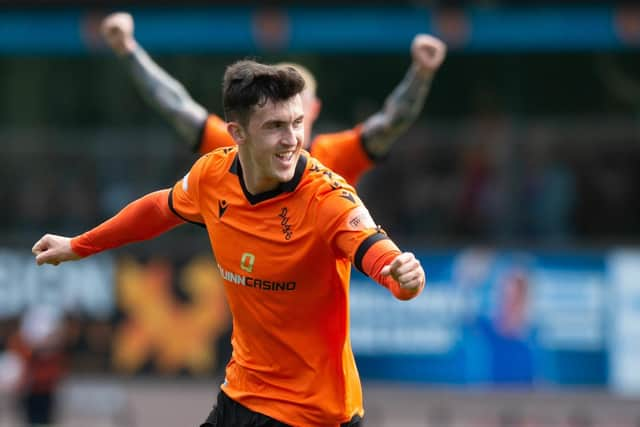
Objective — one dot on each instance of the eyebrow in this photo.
(277, 121)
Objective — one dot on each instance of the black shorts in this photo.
(229, 413)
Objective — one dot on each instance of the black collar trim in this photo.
(235, 165)
(284, 187)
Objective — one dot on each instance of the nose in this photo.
(291, 136)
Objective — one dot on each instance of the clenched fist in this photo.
(406, 270)
(52, 249)
(117, 30)
(428, 53)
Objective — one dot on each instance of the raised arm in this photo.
(404, 104)
(159, 89)
(142, 219)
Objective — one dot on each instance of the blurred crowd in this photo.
(498, 180)
(491, 179)
(498, 156)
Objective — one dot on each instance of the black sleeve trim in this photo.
(197, 144)
(180, 216)
(375, 158)
(364, 247)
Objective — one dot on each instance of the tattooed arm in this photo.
(404, 104)
(158, 88)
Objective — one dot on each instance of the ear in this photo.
(237, 132)
(317, 106)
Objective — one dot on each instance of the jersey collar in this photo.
(284, 187)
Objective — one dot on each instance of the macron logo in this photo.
(222, 207)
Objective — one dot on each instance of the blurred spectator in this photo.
(549, 192)
(487, 163)
(34, 364)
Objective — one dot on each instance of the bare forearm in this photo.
(166, 95)
(401, 109)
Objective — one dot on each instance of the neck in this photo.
(253, 181)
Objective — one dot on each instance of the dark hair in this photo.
(247, 84)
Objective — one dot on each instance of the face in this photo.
(270, 144)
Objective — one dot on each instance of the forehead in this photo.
(289, 109)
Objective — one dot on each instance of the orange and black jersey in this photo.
(342, 152)
(285, 257)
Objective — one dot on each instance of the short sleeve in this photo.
(343, 153)
(214, 135)
(184, 198)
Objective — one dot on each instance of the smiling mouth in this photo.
(285, 156)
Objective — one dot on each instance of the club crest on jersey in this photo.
(360, 219)
(284, 222)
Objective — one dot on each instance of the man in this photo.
(39, 357)
(284, 230)
(349, 153)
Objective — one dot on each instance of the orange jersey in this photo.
(341, 152)
(285, 257)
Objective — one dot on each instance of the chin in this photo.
(286, 177)
(287, 174)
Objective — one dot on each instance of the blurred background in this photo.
(518, 187)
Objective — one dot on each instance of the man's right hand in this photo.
(117, 30)
(407, 271)
(52, 249)
(428, 53)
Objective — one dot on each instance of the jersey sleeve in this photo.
(214, 135)
(141, 219)
(347, 225)
(343, 153)
(352, 234)
(184, 198)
